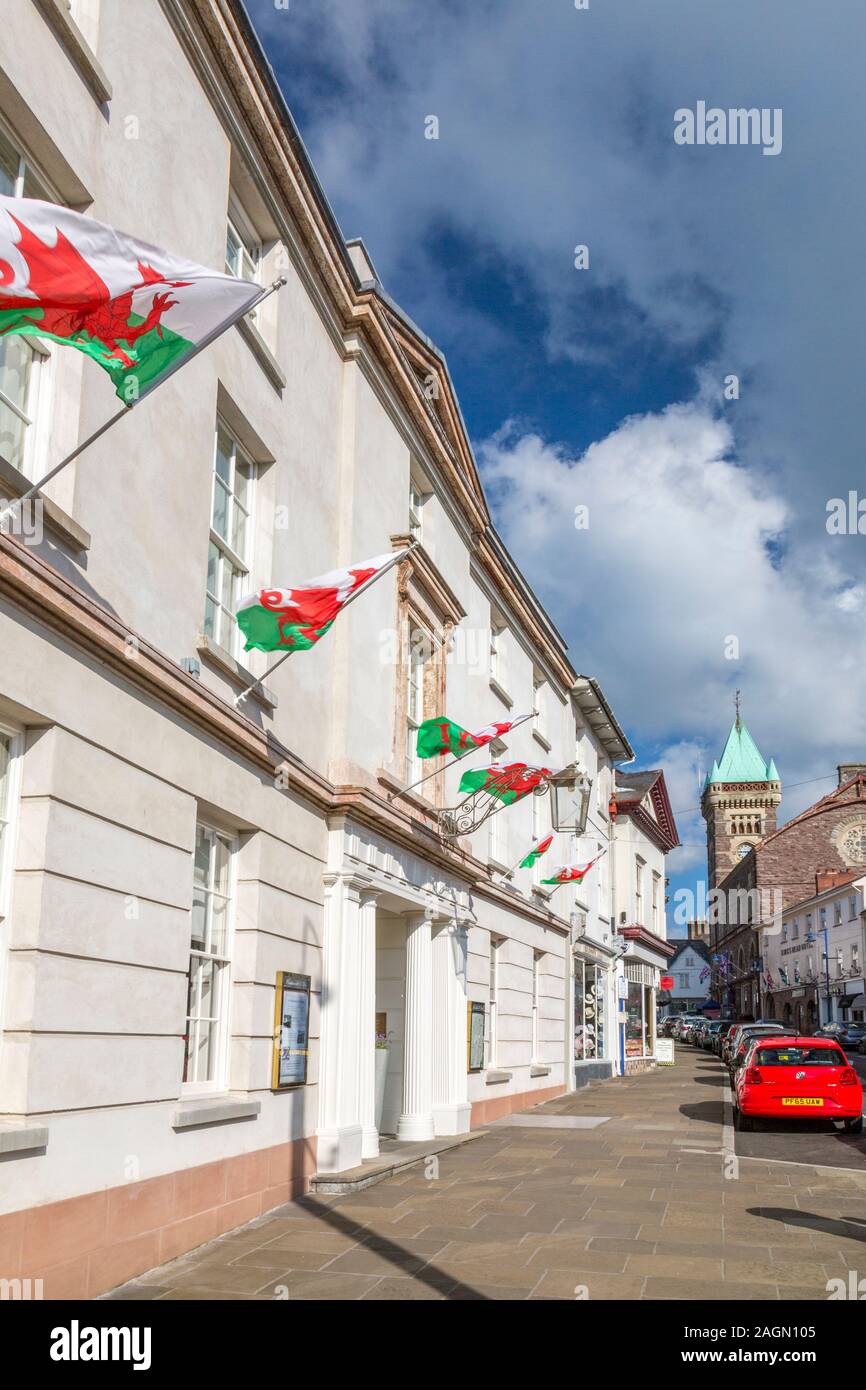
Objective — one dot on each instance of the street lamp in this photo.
(569, 799)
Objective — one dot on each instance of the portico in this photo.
(393, 1024)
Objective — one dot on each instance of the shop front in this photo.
(594, 1049)
(645, 961)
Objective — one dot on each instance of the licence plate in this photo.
(801, 1100)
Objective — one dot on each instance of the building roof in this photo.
(686, 943)
(644, 797)
(741, 761)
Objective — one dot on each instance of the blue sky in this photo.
(604, 387)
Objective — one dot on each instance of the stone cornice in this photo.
(420, 567)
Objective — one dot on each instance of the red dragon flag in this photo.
(572, 873)
(293, 620)
(507, 782)
(535, 853)
(131, 307)
(442, 735)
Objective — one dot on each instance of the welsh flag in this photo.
(535, 853)
(294, 619)
(507, 782)
(442, 735)
(571, 873)
(131, 307)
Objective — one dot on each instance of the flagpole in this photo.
(130, 406)
(426, 778)
(362, 589)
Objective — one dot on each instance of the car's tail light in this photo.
(848, 1077)
(753, 1076)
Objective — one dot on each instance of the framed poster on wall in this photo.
(291, 1031)
(475, 1036)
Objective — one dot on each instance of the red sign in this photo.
(666, 982)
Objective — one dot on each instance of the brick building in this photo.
(819, 847)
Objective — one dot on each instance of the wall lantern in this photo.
(569, 799)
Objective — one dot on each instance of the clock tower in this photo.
(739, 803)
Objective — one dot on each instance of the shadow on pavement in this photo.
(710, 1111)
(401, 1258)
(854, 1228)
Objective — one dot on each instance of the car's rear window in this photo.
(800, 1057)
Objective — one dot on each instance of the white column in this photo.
(416, 1120)
(339, 1132)
(367, 1019)
(451, 1108)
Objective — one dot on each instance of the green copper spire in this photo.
(741, 760)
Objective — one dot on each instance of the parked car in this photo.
(796, 1078)
(746, 1036)
(730, 1041)
(850, 1035)
(710, 1034)
(725, 1027)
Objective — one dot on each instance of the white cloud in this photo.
(673, 573)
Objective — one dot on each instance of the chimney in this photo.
(833, 878)
(848, 770)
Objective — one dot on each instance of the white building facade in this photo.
(644, 832)
(812, 960)
(184, 880)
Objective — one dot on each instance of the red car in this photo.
(797, 1078)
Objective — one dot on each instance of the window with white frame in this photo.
(539, 718)
(639, 866)
(205, 1064)
(416, 510)
(493, 1002)
(853, 907)
(11, 743)
(24, 359)
(498, 670)
(537, 957)
(230, 547)
(795, 928)
(539, 832)
(243, 246)
(837, 913)
(419, 647)
(840, 960)
(85, 16)
(656, 895)
(855, 957)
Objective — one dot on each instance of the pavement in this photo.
(628, 1189)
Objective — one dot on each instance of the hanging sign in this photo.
(291, 1031)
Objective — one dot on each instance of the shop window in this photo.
(589, 1011)
(205, 1064)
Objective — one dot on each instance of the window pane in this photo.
(238, 539)
(199, 920)
(201, 863)
(221, 866)
(221, 506)
(8, 167)
(223, 460)
(219, 925)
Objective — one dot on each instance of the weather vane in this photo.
(737, 707)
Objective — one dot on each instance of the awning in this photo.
(857, 1002)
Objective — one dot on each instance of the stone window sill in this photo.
(536, 1070)
(216, 655)
(214, 1110)
(77, 49)
(262, 353)
(542, 739)
(495, 1076)
(498, 865)
(22, 1139)
(14, 484)
(501, 692)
